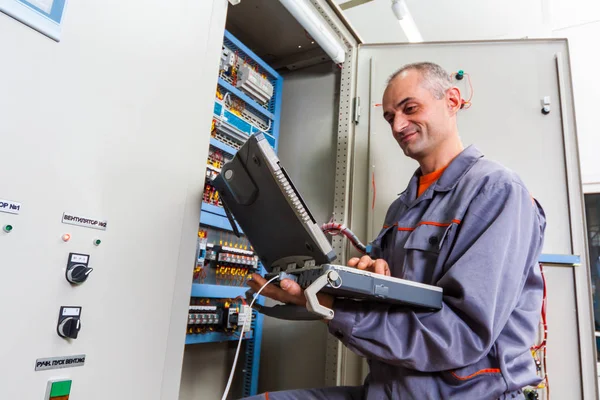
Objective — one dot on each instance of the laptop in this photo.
(257, 192)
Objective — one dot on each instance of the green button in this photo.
(61, 388)
(97, 242)
(8, 228)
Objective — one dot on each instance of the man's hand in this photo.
(289, 292)
(379, 266)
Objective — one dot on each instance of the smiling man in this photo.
(464, 223)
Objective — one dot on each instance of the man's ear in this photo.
(454, 100)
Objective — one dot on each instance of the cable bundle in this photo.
(540, 359)
(333, 229)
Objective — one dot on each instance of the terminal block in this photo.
(237, 257)
(253, 83)
(204, 317)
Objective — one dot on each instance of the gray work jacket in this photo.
(477, 233)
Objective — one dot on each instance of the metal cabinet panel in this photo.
(510, 78)
(106, 124)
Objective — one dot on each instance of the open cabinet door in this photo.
(509, 80)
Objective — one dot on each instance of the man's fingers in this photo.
(270, 291)
(294, 292)
(276, 293)
(365, 263)
(353, 262)
(381, 267)
(291, 287)
(259, 280)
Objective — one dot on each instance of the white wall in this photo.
(579, 22)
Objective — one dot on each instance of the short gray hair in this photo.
(436, 78)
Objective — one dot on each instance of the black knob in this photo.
(78, 273)
(69, 327)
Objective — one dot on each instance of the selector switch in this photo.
(77, 268)
(69, 328)
(69, 322)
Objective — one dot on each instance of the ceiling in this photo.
(443, 20)
(271, 32)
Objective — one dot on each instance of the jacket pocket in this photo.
(422, 250)
(484, 384)
(428, 237)
(487, 367)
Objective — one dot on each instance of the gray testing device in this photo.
(257, 192)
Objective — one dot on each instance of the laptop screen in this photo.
(256, 190)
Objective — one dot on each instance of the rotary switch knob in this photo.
(69, 327)
(78, 269)
(78, 273)
(69, 322)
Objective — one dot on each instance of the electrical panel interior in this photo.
(247, 102)
(228, 316)
(224, 259)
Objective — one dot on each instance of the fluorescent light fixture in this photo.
(399, 8)
(410, 29)
(407, 23)
(315, 28)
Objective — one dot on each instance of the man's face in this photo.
(419, 121)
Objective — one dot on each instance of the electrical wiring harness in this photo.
(540, 359)
(333, 228)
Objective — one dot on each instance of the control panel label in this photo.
(73, 219)
(79, 258)
(71, 311)
(11, 207)
(43, 364)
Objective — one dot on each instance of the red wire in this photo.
(542, 345)
(336, 229)
(470, 86)
(242, 299)
(374, 191)
(466, 104)
(544, 301)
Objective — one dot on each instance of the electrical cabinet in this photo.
(247, 101)
(521, 114)
(101, 138)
